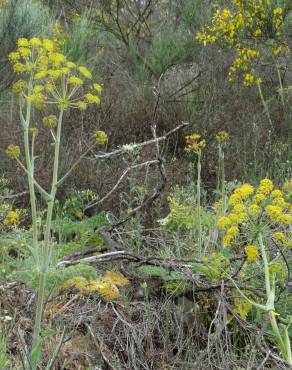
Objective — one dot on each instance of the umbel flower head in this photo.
(12, 219)
(253, 210)
(50, 121)
(13, 151)
(100, 137)
(222, 136)
(194, 143)
(53, 79)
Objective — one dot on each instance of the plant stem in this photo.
(281, 90)
(47, 242)
(266, 108)
(270, 291)
(30, 175)
(222, 178)
(199, 199)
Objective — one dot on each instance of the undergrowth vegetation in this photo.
(145, 189)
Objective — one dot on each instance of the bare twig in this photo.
(143, 144)
(114, 188)
(13, 196)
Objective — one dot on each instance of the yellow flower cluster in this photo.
(13, 151)
(245, 23)
(50, 121)
(242, 65)
(222, 136)
(12, 219)
(263, 205)
(53, 78)
(100, 137)
(107, 286)
(251, 252)
(194, 143)
(34, 131)
(280, 238)
(265, 187)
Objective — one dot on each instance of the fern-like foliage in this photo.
(106, 286)
(183, 213)
(172, 281)
(55, 277)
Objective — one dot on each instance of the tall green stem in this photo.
(47, 247)
(199, 199)
(285, 348)
(265, 105)
(221, 178)
(30, 170)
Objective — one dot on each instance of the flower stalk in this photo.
(55, 80)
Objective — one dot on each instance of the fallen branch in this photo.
(141, 145)
(13, 196)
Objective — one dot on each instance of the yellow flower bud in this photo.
(50, 121)
(100, 137)
(13, 151)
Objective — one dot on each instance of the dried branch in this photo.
(141, 145)
(114, 188)
(13, 196)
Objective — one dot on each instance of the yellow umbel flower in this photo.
(273, 212)
(85, 72)
(233, 231)
(93, 99)
(100, 137)
(13, 151)
(249, 79)
(14, 56)
(20, 68)
(19, 86)
(238, 208)
(34, 131)
(97, 87)
(38, 88)
(251, 252)
(254, 210)
(222, 136)
(35, 41)
(258, 198)
(265, 187)
(38, 99)
(12, 219)
(280, 202)
(227, 240)
(244, 191)
(277, 51)
(73, 80)
(22, 42)
(280, 238)
(276, 193)
(257, 32)
(24, 52)
(284, 219)
(50, 121)
(81, 105)
(278, 11)
(48, 45)
(194, 143)
(234, 199)
(223, 223)
(43, 62)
